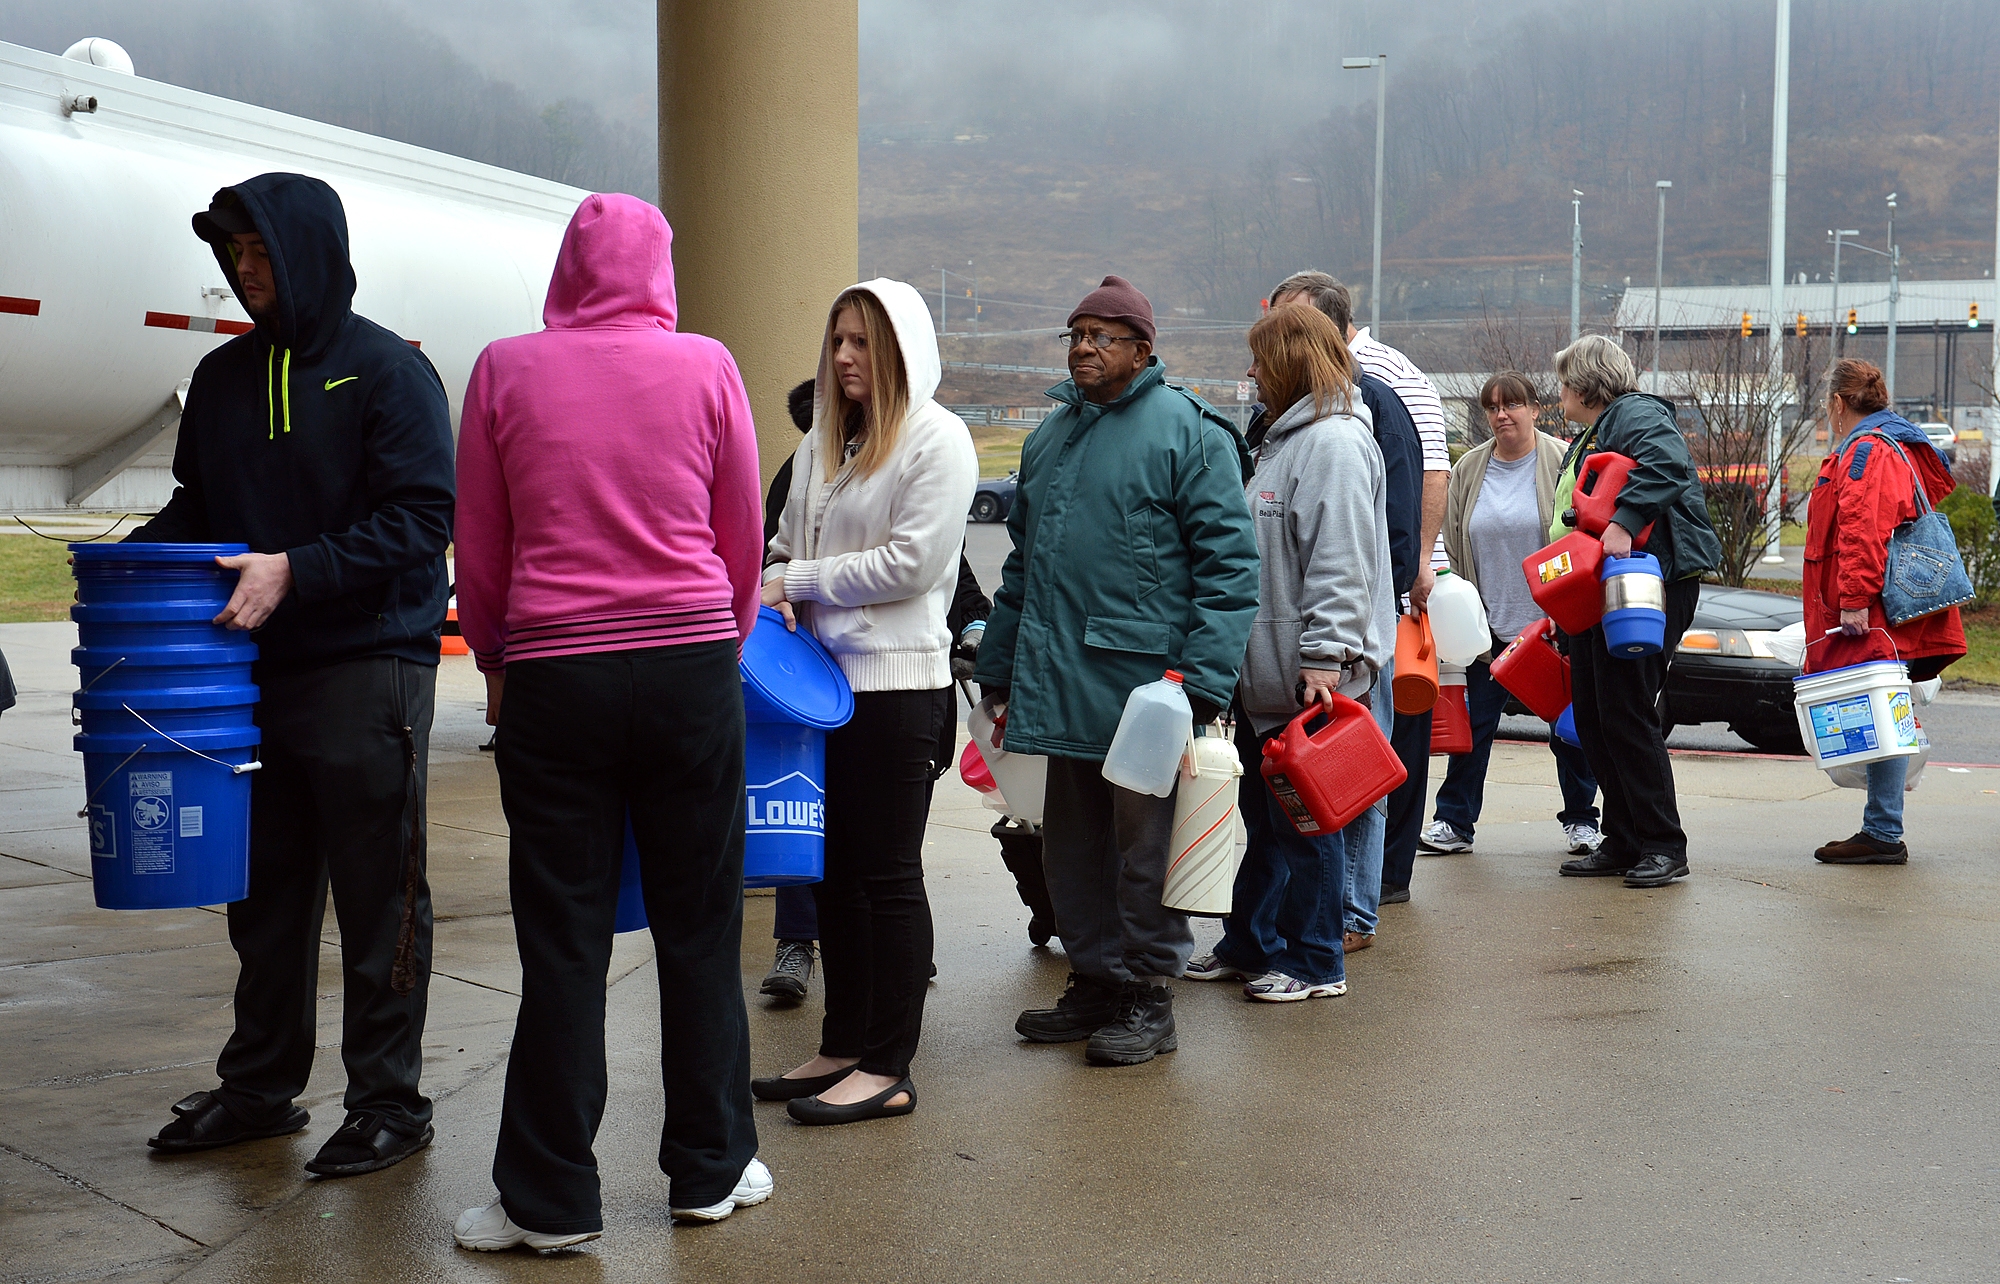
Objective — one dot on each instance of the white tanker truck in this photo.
(107, 299)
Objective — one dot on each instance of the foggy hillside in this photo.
(1206, 147)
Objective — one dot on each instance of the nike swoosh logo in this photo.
(331, 384)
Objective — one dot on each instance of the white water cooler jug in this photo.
(1202, 858)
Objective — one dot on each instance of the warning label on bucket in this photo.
(1842, 727)
(152, 808)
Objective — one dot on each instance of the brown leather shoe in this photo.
(1863, 850)
(1352, 941)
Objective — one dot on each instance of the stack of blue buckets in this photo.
(793, 694)
(165, 710)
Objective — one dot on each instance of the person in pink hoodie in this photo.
(608, 555)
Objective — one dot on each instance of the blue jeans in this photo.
(1463, 792)
(1285, 910)
(1364, 850)
(1882, 818)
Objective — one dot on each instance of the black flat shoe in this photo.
(1598, 864)
(366, 1144)
(811, 1110)
(202, 1122)
(1656, 870)
(783, 1089)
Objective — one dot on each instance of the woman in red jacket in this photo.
(1863, 493)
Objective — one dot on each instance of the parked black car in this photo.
(1726, 670)
(994, 497)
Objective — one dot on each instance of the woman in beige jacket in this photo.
(1497, 511)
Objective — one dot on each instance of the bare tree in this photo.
(1731, 407)
(1516, 339)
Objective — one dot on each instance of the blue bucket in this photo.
(1635, 602)
(793, 694)
(166, 710)
(1565, 727)
(631, 894)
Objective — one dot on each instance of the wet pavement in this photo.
(1770, 1071)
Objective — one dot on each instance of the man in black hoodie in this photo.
(323, 441)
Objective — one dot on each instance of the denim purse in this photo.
(1924, 574)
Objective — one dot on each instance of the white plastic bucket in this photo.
(1203, 854)
(1023, 778)
(1857, 777)
(1857, 714)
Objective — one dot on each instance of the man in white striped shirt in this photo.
(1410, 735)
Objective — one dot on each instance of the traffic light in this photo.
(1746, 325)
(1801, 329)
(1972, 322)
(1853, 326)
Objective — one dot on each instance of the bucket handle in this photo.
(85, 813)
(1884, 632)
(76, 714)
(235, 768)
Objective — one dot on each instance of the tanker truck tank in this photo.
(107, 299)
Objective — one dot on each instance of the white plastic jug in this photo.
(1022, 778)
(1152, 735)
(1458, 620)
(1202, 858)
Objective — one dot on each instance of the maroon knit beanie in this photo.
(1118, 300)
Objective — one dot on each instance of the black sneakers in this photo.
(1144, 1027)
(790, 970)
(1084, 1007)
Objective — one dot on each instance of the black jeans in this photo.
(1411, 739)
(874, 916)
(1617, 704)
(584, 738)
(333, 805)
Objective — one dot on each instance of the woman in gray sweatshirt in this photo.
(1326, 616)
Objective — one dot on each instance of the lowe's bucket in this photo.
(1856, 714)
(165, 717)
(793, 694)
(631, 895)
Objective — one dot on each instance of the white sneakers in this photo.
(1440, 839)
(1584, 838)
(1276, 987)
(489, 1229)
(1210, 967)
(754, 1187)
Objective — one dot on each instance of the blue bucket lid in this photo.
(794, 674)
(1637, 564)
(186, 655)
(190, 697)
(166, 556)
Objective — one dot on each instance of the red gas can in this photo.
(1596, 495)
(1451, 719)
(1326, 779)
(1535, 672)
(1563, 580)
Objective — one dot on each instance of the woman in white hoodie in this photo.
(866, 558)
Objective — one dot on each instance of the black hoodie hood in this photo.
(304, 227)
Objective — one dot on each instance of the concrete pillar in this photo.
(760, 177)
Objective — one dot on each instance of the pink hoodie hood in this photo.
(616, 268)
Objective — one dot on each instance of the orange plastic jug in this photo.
(1451, 719)
(1595, 498)
(1325, 779)
(1534, 672)
(1416, 681)
(1563, 580)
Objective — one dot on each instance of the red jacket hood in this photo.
(616, 268)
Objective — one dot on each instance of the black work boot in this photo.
(1021, 851)
(1144, 1027)
(1085, 1005)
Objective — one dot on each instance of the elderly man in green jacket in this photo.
(1133, 554)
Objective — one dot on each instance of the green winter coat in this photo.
(1133, 554)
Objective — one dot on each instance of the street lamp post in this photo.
(1575, 264)
(1839, 328)
(1895, 292)
(1781, 96)
(1380, 62)
(1659, 270)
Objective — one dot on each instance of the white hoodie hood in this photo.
(910, 317)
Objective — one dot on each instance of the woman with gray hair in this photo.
(1617, 699)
